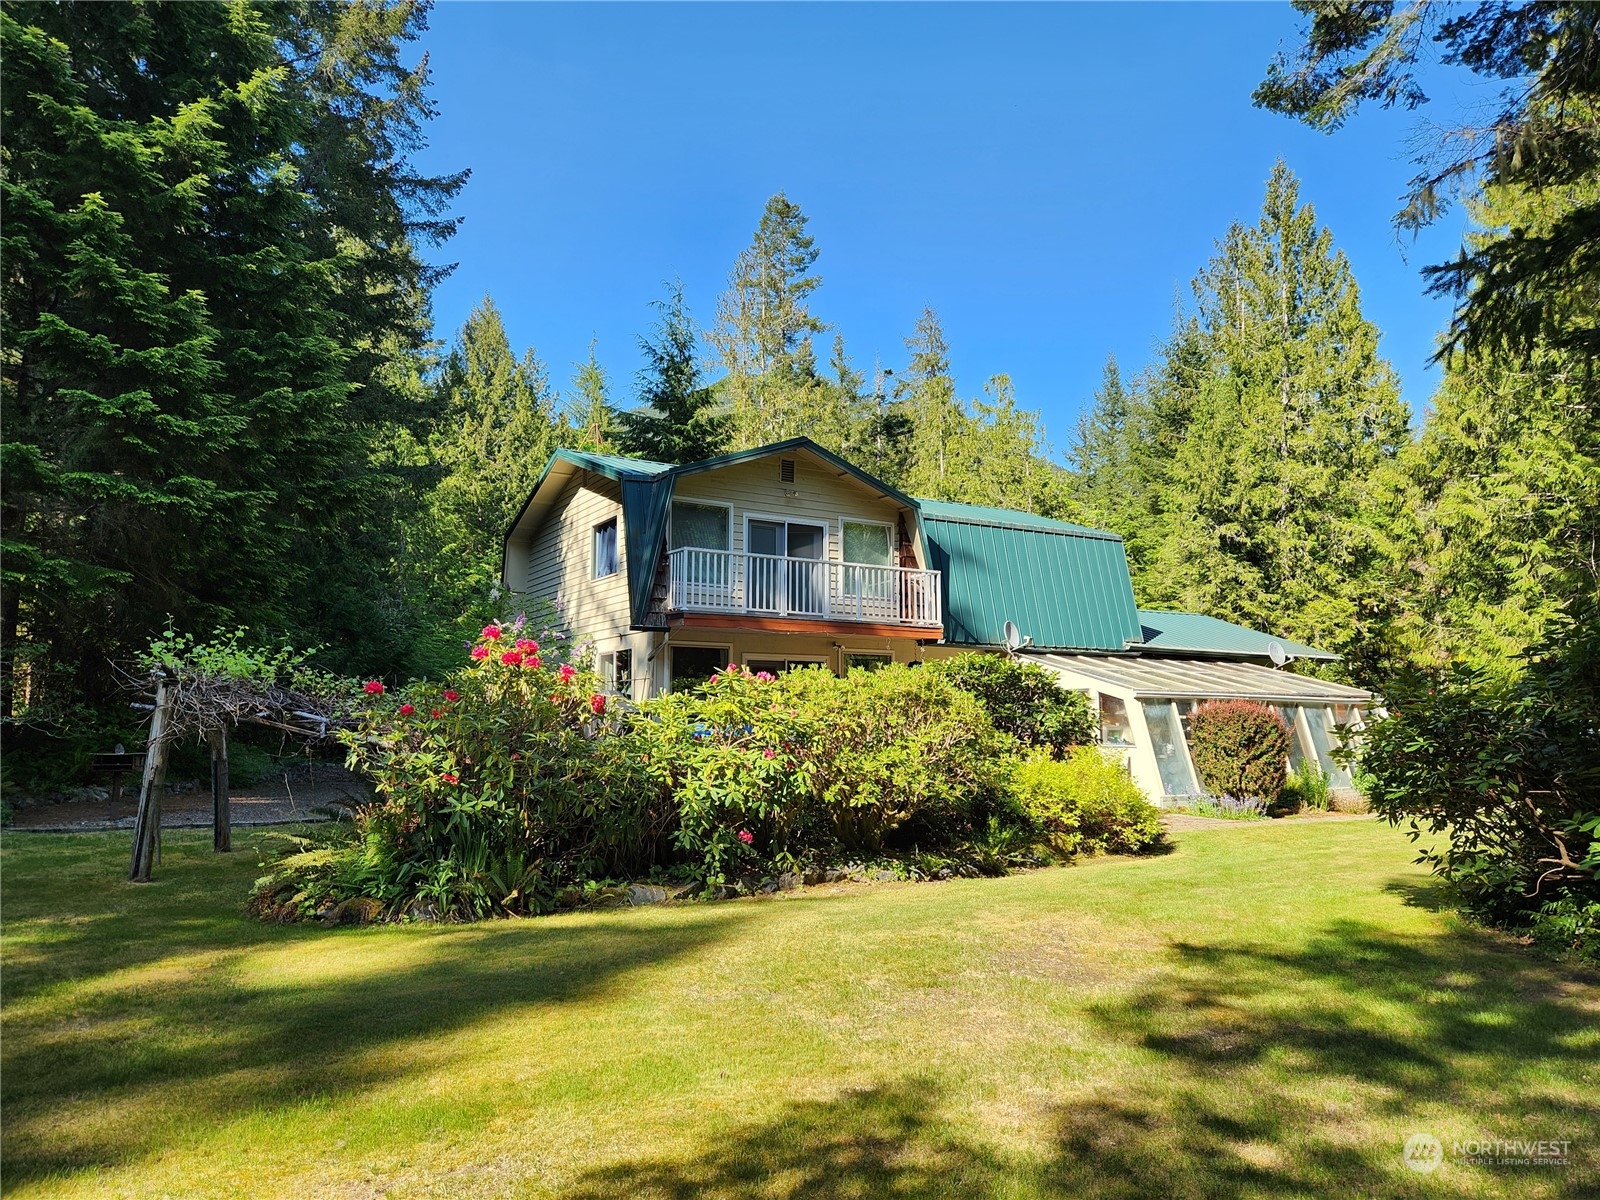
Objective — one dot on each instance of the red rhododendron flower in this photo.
(480, 652)
(452, 695)
(437, 714)
(511, 658)
(746, 836)
(526, 646)
(407, 709)
(598, 703)
(373, 688)
(449, 778)
(566, 673)
(532, 661)
(492, 632)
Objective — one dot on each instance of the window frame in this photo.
(615, 526)
(727, 510)
(888, 529)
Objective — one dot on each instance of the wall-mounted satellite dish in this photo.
(1277, 653)
(1013, 636)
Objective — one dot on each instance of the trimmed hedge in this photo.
(1086, 803)
(1241, 749)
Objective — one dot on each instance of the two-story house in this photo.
(787, 555)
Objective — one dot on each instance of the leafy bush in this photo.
(1506, 775)
(1307, 787)
(1085, 803)
(492, 795)
(1023, 700)
(1240, 749)
(761, 768)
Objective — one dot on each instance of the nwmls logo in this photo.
(1423, 1153)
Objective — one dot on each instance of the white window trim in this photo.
(819, 660)
(594, 547)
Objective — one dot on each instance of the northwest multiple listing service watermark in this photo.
(1425, 1153)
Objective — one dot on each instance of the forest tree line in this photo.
(224, 406)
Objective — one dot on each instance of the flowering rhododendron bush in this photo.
(492, 794)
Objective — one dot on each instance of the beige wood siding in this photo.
(820, 494)
(561, 560)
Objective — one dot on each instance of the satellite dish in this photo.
(1277, 653)
(1013, 636)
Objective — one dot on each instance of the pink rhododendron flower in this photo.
(746, 836)
(526, 646)
(765, 676)
(768, 754)
(492, 632)
(449, 695)
(407, 709)
(373, 688)
(480, 652)
(598, 703)
(449, 778)
(567, 673)
(511, 658)
(532, 661)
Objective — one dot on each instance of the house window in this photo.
(1115, 729)
(866, 555)
(704, 526)
(777, 666)
(605, 548)
(866, 661)
(693, 665)
(616, 672)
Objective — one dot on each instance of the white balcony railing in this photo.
(721, 581)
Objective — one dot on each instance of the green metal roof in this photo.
(1066, 586)
(1192, 633)
(1005, 518)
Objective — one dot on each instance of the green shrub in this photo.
(1023, 700)
(1086, 802)
(1505, 777)
(492, 795)
(760, 769)
(1307, 787)
(1241, 749)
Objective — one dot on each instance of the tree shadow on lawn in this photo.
(195, 1037)
(1260, 1072)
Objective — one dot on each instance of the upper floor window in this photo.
(866, 542)
(704, 526)
(605, 548)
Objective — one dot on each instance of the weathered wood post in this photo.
(221, 819)
(147, 825)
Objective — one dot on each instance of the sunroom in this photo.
(1146, 706)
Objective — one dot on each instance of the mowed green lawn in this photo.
(1270, 1010)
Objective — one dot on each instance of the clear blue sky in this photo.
(1048, 177)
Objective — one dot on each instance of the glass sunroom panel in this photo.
(1296, 754)
(1166, 741)
(1322, 739)
(1115, 729)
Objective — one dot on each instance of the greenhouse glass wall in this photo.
(1147, 705)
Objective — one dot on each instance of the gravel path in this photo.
(283, 799)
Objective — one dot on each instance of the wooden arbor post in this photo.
(221, 818)
(147, 825)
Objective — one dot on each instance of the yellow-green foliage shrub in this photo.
(1085, 802)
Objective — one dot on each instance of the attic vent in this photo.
(786, 470)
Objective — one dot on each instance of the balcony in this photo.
(801, 590)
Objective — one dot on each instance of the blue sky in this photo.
(1047, 177)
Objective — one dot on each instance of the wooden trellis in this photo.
(210, 706)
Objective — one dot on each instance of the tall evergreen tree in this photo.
(926, 394)
(590, 418)
(679, 419)
(210, 233)
(1504, 485)
(764, 330)
(1294, 419)
(1108, 486)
